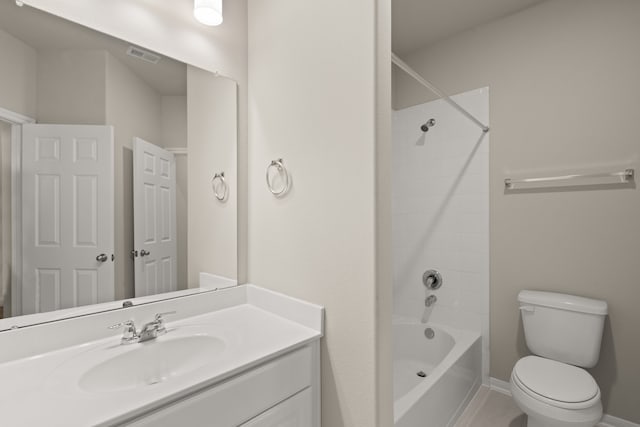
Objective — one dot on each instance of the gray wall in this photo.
(565, 96)
(71, 86)
(18, 75)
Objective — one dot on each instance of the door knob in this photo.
(102, 258)
(144, 253)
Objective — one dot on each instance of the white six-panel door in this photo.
(154, 207)
(68, 216)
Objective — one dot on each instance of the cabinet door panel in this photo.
(293, 412)
(234, 401)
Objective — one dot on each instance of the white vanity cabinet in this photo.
(282, 392)
(239, 357)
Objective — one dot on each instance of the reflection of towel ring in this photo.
(282, 171)
(223, 186)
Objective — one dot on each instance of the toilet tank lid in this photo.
(563, 302)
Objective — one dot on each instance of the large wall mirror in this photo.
(118, 168)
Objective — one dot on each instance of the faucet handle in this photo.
(128, 324)
(166, 313)
(160, 322)
(130, 334)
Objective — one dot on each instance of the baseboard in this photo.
(471, 394)
(499, 386)
(611, 421)
(607, 420)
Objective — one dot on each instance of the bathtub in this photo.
(433, 379)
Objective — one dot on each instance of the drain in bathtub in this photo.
(421, 374)
(429, 333)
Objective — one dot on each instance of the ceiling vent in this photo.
(144, 55)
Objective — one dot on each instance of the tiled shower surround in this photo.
(441, 213)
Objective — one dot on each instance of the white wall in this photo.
(173, 121)
(312, 101)
(441, 213)
(173, 133)
(565, 97)
(212, 133)
(18, 75)
(134, 110)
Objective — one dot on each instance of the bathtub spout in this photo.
(428, 307)
(430, 300)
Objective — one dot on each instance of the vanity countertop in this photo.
(252, 326)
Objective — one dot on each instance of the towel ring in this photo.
(222, 186)
(282, 171)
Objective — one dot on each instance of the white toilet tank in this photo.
(563, 327)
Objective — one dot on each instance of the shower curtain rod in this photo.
(400, 63)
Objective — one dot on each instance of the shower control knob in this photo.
(432, 279)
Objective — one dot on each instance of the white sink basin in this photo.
(151, 362)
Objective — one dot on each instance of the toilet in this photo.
(564, 333)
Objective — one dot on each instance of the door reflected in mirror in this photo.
(107, 155)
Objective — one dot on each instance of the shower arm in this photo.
(400, 63)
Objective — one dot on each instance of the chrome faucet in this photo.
(430, 300)
(149, 331)
(155, 328)
(129, 335)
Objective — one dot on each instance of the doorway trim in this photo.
(16, 120)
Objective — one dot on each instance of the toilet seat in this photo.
(555, 383)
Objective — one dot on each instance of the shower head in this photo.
(430, 123)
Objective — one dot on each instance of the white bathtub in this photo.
(452, 362)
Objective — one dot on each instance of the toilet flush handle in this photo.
(527, 308)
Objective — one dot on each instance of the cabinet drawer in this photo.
(293, 412)
(238, 399)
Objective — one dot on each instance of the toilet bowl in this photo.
(564, 333)
(555, 394)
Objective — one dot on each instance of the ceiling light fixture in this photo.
(208, 12)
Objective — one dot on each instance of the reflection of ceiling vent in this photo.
(144, 55)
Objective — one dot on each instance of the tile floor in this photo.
(490, 408)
